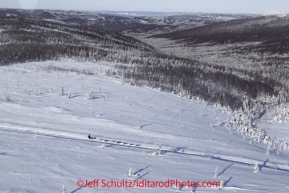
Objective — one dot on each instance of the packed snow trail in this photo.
(149, 148)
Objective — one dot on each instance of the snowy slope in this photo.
(44, 145)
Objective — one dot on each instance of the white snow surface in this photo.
(44, 144)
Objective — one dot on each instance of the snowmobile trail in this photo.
(40, 131)
(148, 148)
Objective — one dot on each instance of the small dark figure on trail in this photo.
(89, 137)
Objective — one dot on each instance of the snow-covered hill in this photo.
(98, 20)
(44, 128)
(162, 24)
(141, 13)
(119, 21)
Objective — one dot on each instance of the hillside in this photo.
(249, 89)
(265, 29)
(111, 21)
(98, 20)
(252, 49)
(30, 39)
(160, 136)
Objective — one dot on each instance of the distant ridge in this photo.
(141, 13)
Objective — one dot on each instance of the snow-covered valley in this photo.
(44, 144)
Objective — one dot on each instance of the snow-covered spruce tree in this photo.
(281, 113)
(268, 150)
(221, 185)
(130, 174)
(69, 95)
(64, 189)
(256, 168)
(91, 95)
(7, 98)
(157, 151)
(62, 91)
(216, 172)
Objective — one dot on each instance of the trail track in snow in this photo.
(148, 148)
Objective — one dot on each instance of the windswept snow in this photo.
(44, 145)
